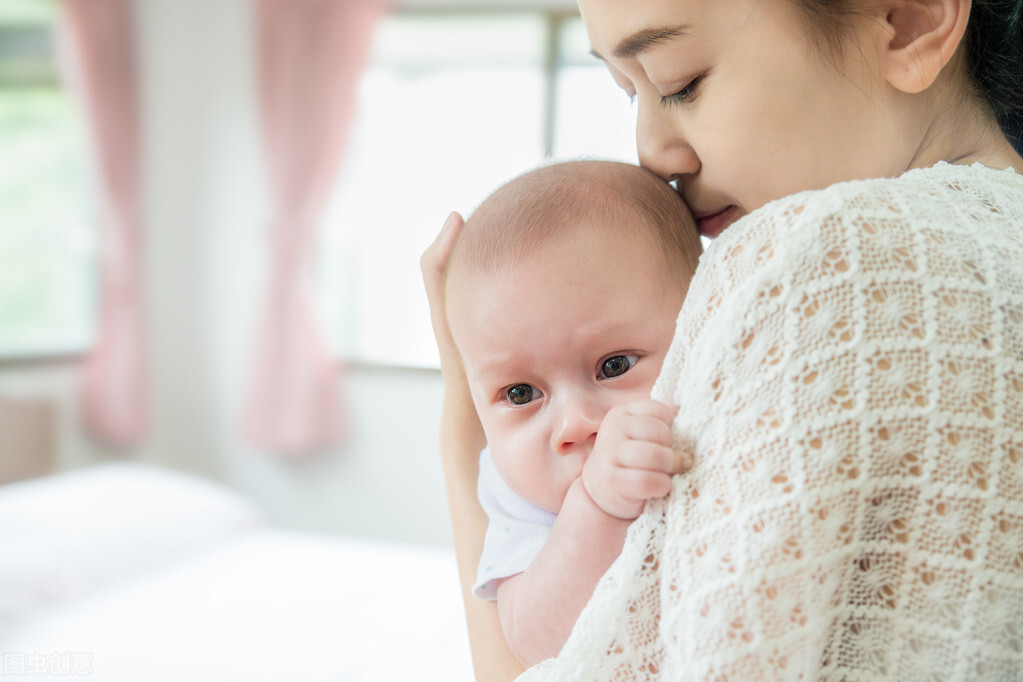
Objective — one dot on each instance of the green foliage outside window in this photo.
(46, 261)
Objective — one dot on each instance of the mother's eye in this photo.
(682, 96)
(617, 365)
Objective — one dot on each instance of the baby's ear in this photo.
(924, 36)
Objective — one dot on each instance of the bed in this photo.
(124, 572)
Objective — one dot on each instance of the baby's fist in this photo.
(632, 459)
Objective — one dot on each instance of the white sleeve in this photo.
(515, 534)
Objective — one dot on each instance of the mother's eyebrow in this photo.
(645, 39)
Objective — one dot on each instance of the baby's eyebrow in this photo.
(644, 39)
(491, 371)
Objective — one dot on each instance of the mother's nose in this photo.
(662, 145)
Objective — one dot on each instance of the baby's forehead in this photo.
(580, 256)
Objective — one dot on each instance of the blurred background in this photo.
(450, 98)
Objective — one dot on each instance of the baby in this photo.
(562, 292)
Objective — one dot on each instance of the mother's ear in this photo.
(924, 34)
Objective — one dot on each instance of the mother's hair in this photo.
(994, 58)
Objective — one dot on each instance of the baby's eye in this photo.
(617, 365)
(520, 394)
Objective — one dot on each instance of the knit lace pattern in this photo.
(849, 368)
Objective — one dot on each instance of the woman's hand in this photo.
(461, 440)
(432, 263)
(461, 431)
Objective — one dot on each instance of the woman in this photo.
(848, 362)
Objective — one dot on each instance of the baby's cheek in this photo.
(645, 379)
(554, 488)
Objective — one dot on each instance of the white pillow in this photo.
(64, 535)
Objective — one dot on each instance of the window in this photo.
(46, 262)
(452, 106)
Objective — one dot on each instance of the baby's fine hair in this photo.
(547, 205)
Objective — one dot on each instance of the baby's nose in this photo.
(576, 425)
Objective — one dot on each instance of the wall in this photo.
(204, 247)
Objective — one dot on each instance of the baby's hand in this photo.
(632, 460)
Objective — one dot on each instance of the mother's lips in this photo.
(712, 224)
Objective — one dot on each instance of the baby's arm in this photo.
(632, 461)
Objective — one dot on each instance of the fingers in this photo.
(681, 462)
(435, 258)
(645, 428)
(642, 420)
(641, 484)
(644, 437)
(432, 263)
(632, 459)
(651, 408)
(622, 492)
(647, 456)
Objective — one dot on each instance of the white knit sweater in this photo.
(849, 367)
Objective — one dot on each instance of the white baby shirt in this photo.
(518, 529)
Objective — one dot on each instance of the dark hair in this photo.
(993, 51)
(994, 61)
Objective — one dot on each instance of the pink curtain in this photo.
(312, 53)
(99, 46)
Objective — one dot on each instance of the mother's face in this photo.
(736, 105)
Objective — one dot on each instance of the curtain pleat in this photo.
(98, 40)
(311, 56)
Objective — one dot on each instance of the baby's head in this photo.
(562, 292)
(566, 202)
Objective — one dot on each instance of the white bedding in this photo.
(122, 590)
